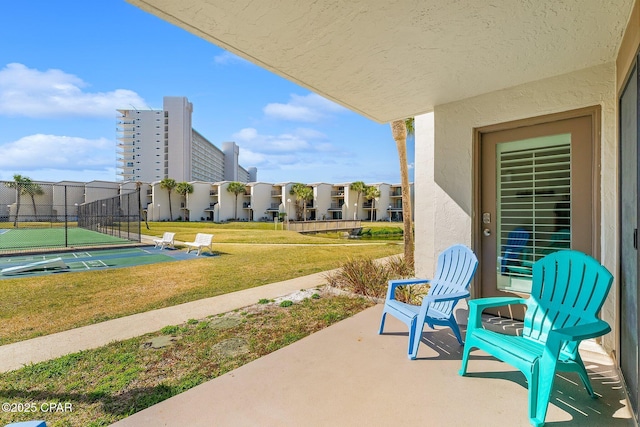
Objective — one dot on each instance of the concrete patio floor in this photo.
(348, 375)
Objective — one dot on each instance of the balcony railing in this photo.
(323, 226)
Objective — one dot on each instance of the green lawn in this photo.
(42, 305)
(100, 386)
(263, 232)
(109, 383)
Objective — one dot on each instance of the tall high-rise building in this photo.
(153, 145)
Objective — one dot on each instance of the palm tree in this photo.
(371, 193)
(184, 188)
(17, 183)
(400, 129)
(359, 187)
(303, 194)
(236, 188)
(169, 184)
(32, 189)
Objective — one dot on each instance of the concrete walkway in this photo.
(348, 375)
(14, 356)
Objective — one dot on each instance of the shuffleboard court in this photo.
(90, 260)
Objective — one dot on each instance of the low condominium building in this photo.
(210, 201)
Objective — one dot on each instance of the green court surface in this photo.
(27, 238)
(90, 260)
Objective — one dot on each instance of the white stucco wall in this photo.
(322, 200)
(260, 199)
(199, 200)
(444, 156)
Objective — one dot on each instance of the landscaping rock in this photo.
(232, 347)
(226, 322)
(160, 342)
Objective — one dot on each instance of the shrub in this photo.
(369, 278)
(169, 330)
(286, 303)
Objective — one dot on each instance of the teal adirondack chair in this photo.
(455, 269)
(567, 293)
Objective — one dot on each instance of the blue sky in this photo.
(67, 65)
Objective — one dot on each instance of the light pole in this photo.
(389, 209)
(288, 203)
(355, 210)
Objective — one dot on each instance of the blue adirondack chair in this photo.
(517, 240)
(455, 269)
(567, 293)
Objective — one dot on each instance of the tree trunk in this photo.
(235, 209)
(33, 202)
(15, 220)
(170, 209)
(399, 131)
(373, 209)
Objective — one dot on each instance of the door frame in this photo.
(630, 74)
(594, 112)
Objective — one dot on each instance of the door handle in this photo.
(486, 232)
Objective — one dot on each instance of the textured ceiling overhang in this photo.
(394, 59)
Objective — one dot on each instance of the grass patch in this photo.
(233, 232)
(119, 379)
(262, 232)
(31, 307)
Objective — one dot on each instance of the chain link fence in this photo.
(38, 215)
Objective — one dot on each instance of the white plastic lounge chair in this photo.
(202, 241)
(165, 241)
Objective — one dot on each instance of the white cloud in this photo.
(228, 58)
(52, 152)
(54, 93)
(246, 134)
(310, 133)
(299, 140)
(309, 108)
(302, 162)
(296, 153)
